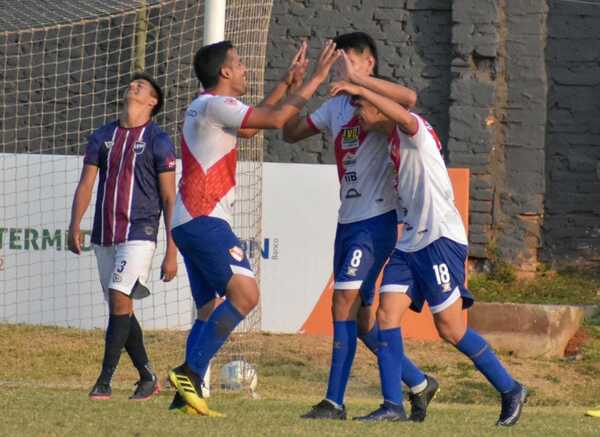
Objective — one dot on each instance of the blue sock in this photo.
(389, 354)
(214, 333)
(344, 348)
(193, 339)
(412, 376)
(486, 361)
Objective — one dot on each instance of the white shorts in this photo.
(125, 267)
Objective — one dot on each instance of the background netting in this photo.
(63, 68)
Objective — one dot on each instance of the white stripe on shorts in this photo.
(394, 288)
(347, 285)
(449, 301)
(237, 270)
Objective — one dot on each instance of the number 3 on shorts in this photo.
(356, 256)
(442, 275)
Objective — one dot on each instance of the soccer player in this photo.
(428, 263)
(136, 161)
(216, 264)
(367, 224)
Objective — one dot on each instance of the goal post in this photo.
(63, 68)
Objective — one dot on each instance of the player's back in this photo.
(208, 152)
(426, 197)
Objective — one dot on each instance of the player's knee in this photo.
(451, 334)
(119, 303)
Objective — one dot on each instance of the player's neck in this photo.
(133, 116)
(223, 89)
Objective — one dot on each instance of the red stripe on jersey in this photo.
(110, 185)
(394, 141)
(345, 156)
(311, 124)
(124, 188)
(246, 117)
(200, 190)
(433, 133)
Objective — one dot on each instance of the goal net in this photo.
(63, 68)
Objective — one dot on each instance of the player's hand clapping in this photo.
(328, 56)
(294, 76)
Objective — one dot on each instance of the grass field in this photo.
(46, 373)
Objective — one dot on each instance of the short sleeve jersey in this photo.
(208, 153)
(128, 202)
(426, 198)
(364, 169)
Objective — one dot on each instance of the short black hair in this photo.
(140, 75)
(358, 41)
(208, 62)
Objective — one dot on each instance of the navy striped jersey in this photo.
(128, 203)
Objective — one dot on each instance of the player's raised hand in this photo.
(168, 268)
(294, 76)
(75, 241)
(328, 56)
(343, 87)
(344, 70)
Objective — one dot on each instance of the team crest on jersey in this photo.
(139, 147)
(350, 137)
(236, 253)
(108, 144)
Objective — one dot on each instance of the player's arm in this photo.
(166, 184)
(296, 69)
(394, 111)
(276, 117)
(81, 201)
(394, 91)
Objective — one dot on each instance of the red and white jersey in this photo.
(208, 154)
(426, 198)
(365, 172)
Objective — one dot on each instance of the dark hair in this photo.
(358, 41)
(157, 90)
(208, 62)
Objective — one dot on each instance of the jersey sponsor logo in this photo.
(109, 144)
(352, 193)
(350, 137)
(236, 253)
(351, 178)
(139, 147)
(349, 160)
(148, 230)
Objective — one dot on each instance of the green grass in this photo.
(45, 375)
(567, 287)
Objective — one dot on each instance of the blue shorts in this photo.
(435, 274)
(361, 249)
(212, 255)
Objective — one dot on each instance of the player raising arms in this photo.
(215, 262)
(367, 224)
(428, 263)
(136, 160)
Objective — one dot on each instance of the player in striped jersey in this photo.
(135, 159)
(428, 263)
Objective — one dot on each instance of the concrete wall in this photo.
(508, 85)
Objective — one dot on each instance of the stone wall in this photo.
(572, 215)
(510, 88)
